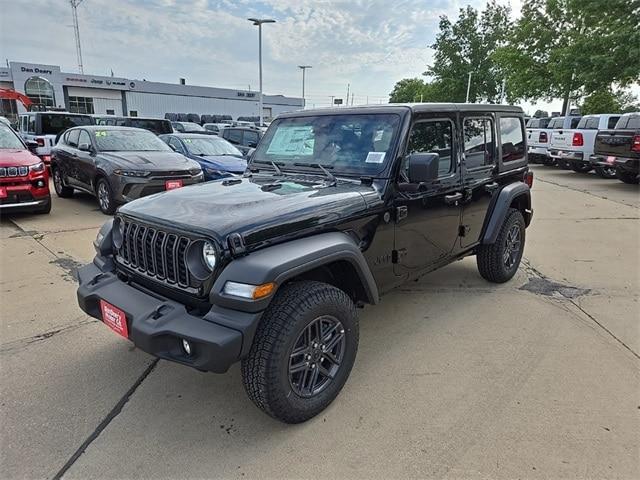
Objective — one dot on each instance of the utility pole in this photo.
(347, 98)
(304, 69)
(504, 82)
(468, 88)
(76, 31)
(351, 99)
(259, 22)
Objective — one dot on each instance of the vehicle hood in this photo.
(152, 161)
(17, 158)
(260, 209)
(226, 163)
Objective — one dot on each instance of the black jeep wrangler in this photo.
(337, 207)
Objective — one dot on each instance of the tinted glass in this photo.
(72, 138)
(512, 139)
(612, 122)
(556, 123)
(210, 146)
(233, 135)
(355, 144)
(157, 126)
(633, 122)
(250, 137)
(433, 137)
(478, 142)
(53, 124)
(31, 124)
(574, 122)
(128, 140)
(8, 139)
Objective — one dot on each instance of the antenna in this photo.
(76, 31)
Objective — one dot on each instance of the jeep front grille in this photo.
(156, 253)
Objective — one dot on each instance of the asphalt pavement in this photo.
(455, 377)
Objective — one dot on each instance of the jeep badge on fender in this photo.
(337, 207)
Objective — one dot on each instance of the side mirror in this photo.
(32, 146)
(423, 167)
(85, 147)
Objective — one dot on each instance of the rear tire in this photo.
(606, 172)
(302, 352)
(499, 261)
(58, 184)
(105, 197)
(627, 177)
(581, 168)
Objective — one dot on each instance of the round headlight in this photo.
(118, 232)
(209, 255)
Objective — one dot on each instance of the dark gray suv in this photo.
(118, 164)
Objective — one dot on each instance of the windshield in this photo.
(355, 144)
(157, 126)
(192, 127)
(128, 140)
(53, 124)
(8, 139)
(210, 146)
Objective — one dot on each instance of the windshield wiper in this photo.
(273, 164)
(328, 175)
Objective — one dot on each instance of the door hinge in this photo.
(401, 213)
(463, 230)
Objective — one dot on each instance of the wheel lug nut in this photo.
(313, 365)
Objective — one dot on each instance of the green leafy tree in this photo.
(408, 90)
(571, 48)
(468, 46)
(606, 101)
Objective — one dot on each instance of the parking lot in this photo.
(455, 377)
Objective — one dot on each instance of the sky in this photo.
(368, 44)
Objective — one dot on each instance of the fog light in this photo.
(186, 346)
(40, 184)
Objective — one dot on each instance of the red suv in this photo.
(24, 181)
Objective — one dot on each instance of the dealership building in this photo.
(49, 86)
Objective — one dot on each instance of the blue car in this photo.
(217, 157)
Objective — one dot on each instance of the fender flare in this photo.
(287, 260)
(499, 207)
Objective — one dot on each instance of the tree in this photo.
(606, 101)
(408, 90)
(571, 48)
(468, 46)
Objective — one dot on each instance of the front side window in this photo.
(512, 138)
(40, 91)
(478, 142)
(350, 143)
(81, 105)
(72, 138)
(128, 140)
(84, 138)
(432, 136)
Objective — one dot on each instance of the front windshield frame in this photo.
(153, 139)
(375, 167)
(227, 148)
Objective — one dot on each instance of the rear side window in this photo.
(233, 135)
(478, 142)
(72, 138)
(31, 124)
(588, 123)
(612, 122)
(433, 136)
(575, 121)
(538, 123)
(556, 123)
(512, 139)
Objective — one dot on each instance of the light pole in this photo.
(304, 69)
(259, 22)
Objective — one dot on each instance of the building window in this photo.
(133, 113)
(9, 109)
(40, 91)
(81, 105)
(110, 111)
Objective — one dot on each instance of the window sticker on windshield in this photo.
(187, 140)
(375, 157)
(101, 133)
(292, 141)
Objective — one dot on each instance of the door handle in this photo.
(491, 187)
(453, 198)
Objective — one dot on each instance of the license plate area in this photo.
(611, 159)
(114, 318)
(172, 184)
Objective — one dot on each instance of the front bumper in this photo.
(24, 197)
(126, 189)
(157, 324)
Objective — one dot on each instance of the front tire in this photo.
(499, 261)
(58, 184)
(105, 197)
(302, 352)
(627, 177)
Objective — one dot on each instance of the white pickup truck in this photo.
(538, 139)
(573, 147)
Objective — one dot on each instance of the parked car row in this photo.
(608, 143)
